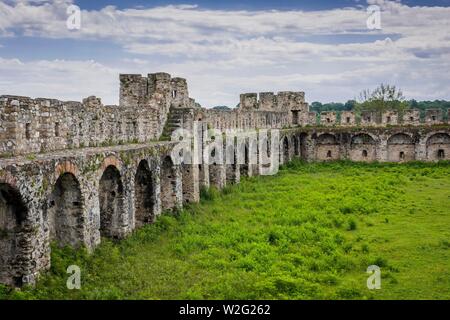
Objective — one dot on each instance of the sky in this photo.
(225, 48)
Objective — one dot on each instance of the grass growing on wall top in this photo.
(308, 233)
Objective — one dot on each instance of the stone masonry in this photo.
(73, 172)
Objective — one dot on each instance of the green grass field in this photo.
(308, 233)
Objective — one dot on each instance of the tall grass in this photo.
(308, 233)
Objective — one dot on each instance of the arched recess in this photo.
(168, 184)
(64, 214)
(438, 147)
(400, 148)
(111, 203)
(244, 167)
(284, 154)
(303, 139)
(363, 148)
(296, 144)
(232, 172)
(13, 213)
(327, 147)
(216, 173)
(144, 195)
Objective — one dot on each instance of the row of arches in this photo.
(13, 213)
(69, 207)
(65, 214)
(66, 211)
(398, 147)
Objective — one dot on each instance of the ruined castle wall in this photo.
(40, 125)
(387, 144)
(328, 118)
(77, 195)
(348, 118)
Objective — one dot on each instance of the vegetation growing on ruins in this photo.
(309, 232)
(384, 97)
(412, 104)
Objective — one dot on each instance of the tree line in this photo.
(384, 97)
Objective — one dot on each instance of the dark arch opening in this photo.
(13, 213)
(168, 184)
(438, 146)
(364, 153)
(245, 166)
(327, 139)
(303, 146)
(296, 141)
(400, 138)
(111, 202)
(65, 211)
(143, 195)
(361, 139)
(285, 149)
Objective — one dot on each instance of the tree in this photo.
(350, 105)
(385, 97)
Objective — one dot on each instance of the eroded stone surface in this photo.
(72, 172)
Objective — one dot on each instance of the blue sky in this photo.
(249, 4)
(226, 48)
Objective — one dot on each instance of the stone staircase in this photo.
(174, 121)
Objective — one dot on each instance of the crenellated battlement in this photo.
(124, 180)
(268, 101)
(409, 117)
(153, 106)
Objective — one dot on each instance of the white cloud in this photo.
(223, 53)
(61, 79)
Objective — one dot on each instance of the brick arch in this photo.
(363, 147)
(65, 167)
(427, 137)
(7, 177)
(400, 138)
(110, 161)
(438, 146)
(327, 147)
(326, 138)
(400, 147)
(374, 139)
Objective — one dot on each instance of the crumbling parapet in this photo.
(328, 118)
(369, 118)
(312, 118)
(411, 117)
(434, 116)
(389, 118)
(249, 101)
(348, 118)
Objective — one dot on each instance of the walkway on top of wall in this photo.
(87, 151)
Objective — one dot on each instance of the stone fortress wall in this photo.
(73, 172)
